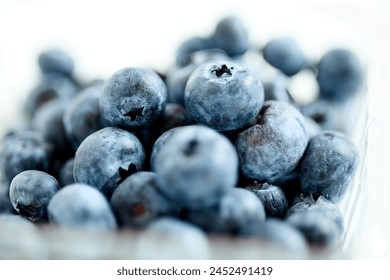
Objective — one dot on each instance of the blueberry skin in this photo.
(30, 192)
(272, 197)
(274, 145)
(328, 166)
(318, 229)
(65, 176)
(223, 95)
(322, 205)
(56, 60)
(177, 78)
(80, 205)
(82, 116)
(173, 239)
(339, 75)
(196, 166)
(25, 150)
(106, 157)
(285, 55)
(137, 201)
(159, 145)
(235, 209)
(132, 97)
(231, 35)
(278, 233)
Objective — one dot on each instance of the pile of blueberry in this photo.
(209, 147)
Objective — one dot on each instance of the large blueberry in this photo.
(30, 192)
(328, 165)
(274, 145)
(223, 95)
(138, 200)
(106, 157)
(196, 166)
(237, 208)
(82, 115)
(285, 55)
(231, 35)
(133, 97)
(339, 75)
(80, 205)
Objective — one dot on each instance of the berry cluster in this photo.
(207, 147)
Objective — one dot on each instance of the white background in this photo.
(104, 36)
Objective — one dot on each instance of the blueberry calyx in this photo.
(124, 173)
(223, 70)
(133, 114)
(191, 147)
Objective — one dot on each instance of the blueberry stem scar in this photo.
(222, 70)
(133, 114)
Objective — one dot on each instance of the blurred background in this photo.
(104, 36)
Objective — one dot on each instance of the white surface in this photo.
(104, 36)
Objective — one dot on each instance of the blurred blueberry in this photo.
(137, 201)
(274, 145)
(25, 150)
(223, 95)
(170, 238)
(339, 75)
(106, 157)
(196, 166)
(235, 209)
(324, 113)
(5, 202)
(328, 165)
(65, 176)
(231, 35)
(278, 233)
(285, 54)
(132, 97)
(189, 46)
(56, 60)
(273, 198)
(80, 205)
(176, 82)
(82, 115)
(30, 192)
(277, 90)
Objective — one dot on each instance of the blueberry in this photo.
(25, 150)
(272, 197)
(339, 75)
(278, 233)
(159, 144)
(189, 46)
(177, 78)
(174, 115)
(223, 95)
(322, 205)
(170, 238)
(318, 229)
(285, 54)
(132, 97)
(277, 90)
(56, 60)
(196, 166)
(324, 113)
(231, 35)
(137, 201)
(52, 85)
(235, 209)
(30, 192)
(65, 176)
(106, 157)
(80, 205)
(312, 127)
(328, 165)
(274, 145)
(5, 202)
(82, 115)
(48, 121)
